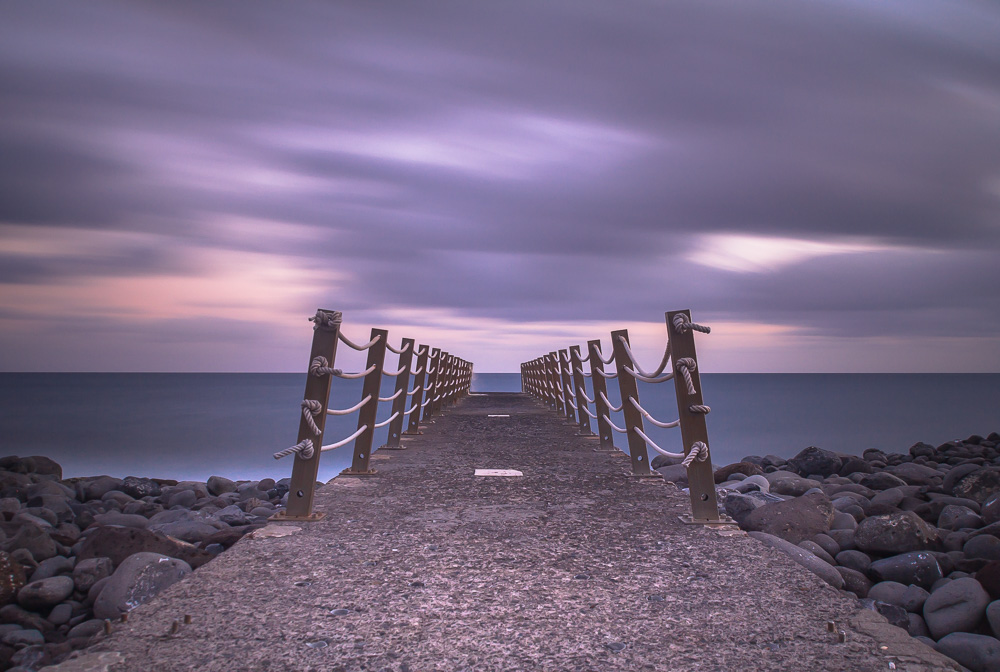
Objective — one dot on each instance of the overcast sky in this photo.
(182, 184)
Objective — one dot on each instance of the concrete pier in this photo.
(573, 565)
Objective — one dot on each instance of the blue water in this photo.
(190, 426)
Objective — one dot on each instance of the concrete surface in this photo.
(573, 566)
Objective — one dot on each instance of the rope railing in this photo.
(548, 378)
(449, 381)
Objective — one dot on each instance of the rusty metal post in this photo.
(564, 374)
(580, 385)
(701, 480)
(434, 363)
(420, 373)
(633, 418)
(399, 403)
(442, 383)
(600, 391)
(554, 380)
(300, 496)
(369, 412)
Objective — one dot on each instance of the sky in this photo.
(183, 183)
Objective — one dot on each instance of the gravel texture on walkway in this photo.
(575, 565)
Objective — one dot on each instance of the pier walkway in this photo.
(575, 565)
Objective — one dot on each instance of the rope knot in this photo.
(699, 451)
(311, 407)
(685, 366)
(320, 367)
(326, 320)
(682, 326)
(303, 449)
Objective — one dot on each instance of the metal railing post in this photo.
(701, 479)
(633, 418)
(369, 412)
(600, 391)
(399, 403)
(554, 380)
(564, 374)
(580, 385)
(413, 426)
(304, 470)
(434, 364)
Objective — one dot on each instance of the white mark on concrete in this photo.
(269, 531)
(497, 416)
(498, 472)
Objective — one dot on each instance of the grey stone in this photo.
(993, 617)
(676, 473)
(137, 579)
(855, 560)
(991, 510)
(789, 483)
(920, 568)
(915, 474)
(881, 480)
(917, 627)
(984, 546)
(45, 594)
(61, 613)
(958, 606)
(266, 484)
(21, 638)
(957, 473)
(854, 581)
(87, 629)
(827, 543)
(802, 557)
(52, 567)
(217, 485)
(232, 515)
(954, 517)
(140, 487)
(94, 488)
(896, 533)
(843, 521)
(121, 519)
(980, 485)
(191, 531)
(656, 463)
(752, 483)
(813, 460)
(33, 539)
(794, 520)
(90, 571)
(118, 543)
(844, 538)
(910, 597)
(979, 653)
(818, 551)
(184, 498)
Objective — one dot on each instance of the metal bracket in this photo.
(723, 521)
(409, 433)
(351, 472)
(311, 518)
(392, 448)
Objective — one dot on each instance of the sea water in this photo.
(191, 426)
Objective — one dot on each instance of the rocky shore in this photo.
(80, 552)
(915, 536)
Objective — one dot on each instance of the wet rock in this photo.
(895, 614)
(915, 474)
(755, 483)
(813, 460)
(121, 519)
(231, 515)
(958, 606)
(87, 629)
(52, 567)
(722, 474)
(802, 557)
(137, 487)
(793, 520)
(980, 485)
(45, 594)
(910, 597)
(137, 579)
(993, 617)
(855, 465)
(854, 581)
(917, 627)
(33, 539)
(788, 483)
(920, 568)
(13, 613)
(896, 533)
(989, 578)
(191, 531)
(90, 571)
(979, 653)
(881, 481)
(818, 551)
(984, 546)
(21, 638)
(954, 517)
(118, 543)
(12, 578)
(217, 485)
(94, 488)
(855, 560)
(182, 498)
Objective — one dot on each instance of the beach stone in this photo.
(827, 543)
(895, 614)
(183, 498)
(676, 473)
(142, 508)
(94, 488)
(843, 521)
(191, 531)
(87, 629)
(755, 483)
(917, 627)
(217, 485)
(60, 614)
(34, 540)
(813, 460)
(793, 520)
(957, 473)
(891, 497)
(989, 578)
(984, 546)
(722, 474)
(266, 484)
(844, 538)
(789, 483)
(25, 517)
(802, 557)
(980, 485)
(21, 638)
(855, 560)
(52, 567)
(121, 519)
(137, 579)
(231, 515)
(991, 510)
(118, 543)
(854, 581)
(915, 474)
(95, 591)
(44, 594)
(993, 617)
(229, 536)
(9, 505)
(655, 464)
(90, 571)
(138, 488)
(172, 516)
(957, 606)
(954, 517)
(896, 533)
(818, 551)
(12, 578)
(855, 465)
(13, 613)
(882, 480)
(910, 597)
(979, 653)
(46, 466)
(920, 568)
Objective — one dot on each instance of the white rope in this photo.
(417, 371)
(611, 407)
(351, 376)
(320, 367)
(351, 344)
(573, 404)
(646, 379)
(398, 392)
(430, 370)
(699, 451)
(304, 448)
(587, 411)
(326, 321)
(414, 391)
(606, 375)
(608, 360)
(585, 375)
(393, 374)
(686, 366)
(347, 440)
(613, 425)
(412, 408)
(310, 408)
(348, 411)
(401, 349)
(645, 414)
(584, 359)
(387, 420)
(659, 369)
(583, 394)
(426, 401)
(651, 444)
(682, 326)
(700, 408)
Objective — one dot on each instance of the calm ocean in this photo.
(190, 426)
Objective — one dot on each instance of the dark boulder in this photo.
(881, 480)
(138, 488)
(722, 474)
(979, 653)
(802, 557)
(855, 465)
(854, 581)
(118, 543)
(980, 485)
(920, 568)
(793, 520)
(813, 460)
(12, 578)
(138, 578)
(958, 606)
(896, 533)
(910, 597)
